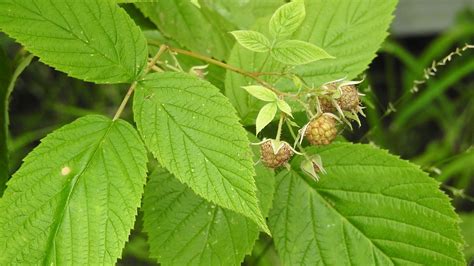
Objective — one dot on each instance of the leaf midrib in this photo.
(50, 247)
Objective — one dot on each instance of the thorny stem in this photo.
(150, 65)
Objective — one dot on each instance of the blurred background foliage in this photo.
(432, 127)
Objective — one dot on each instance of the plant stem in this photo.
(254, 76)
(292, 132)
(150, 65)
(280, 125)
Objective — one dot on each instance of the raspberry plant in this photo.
(76, 196)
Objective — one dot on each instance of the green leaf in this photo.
(192, 129)
(294, 52)
(199, 29)
(7, 82)
(284, 107)
(75, 197)
(265, 116)
(252, 40)
(371, 208)
(243, 14)
(91, 40)
(467, 228)
(352, 39)
(261, 93)
(185, 229)
(287, 19)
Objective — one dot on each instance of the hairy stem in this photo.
(150, 65)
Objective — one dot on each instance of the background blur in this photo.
(431, 124)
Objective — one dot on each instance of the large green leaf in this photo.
(349, 30)
(243, 13)
(89, 39)
(192, 129)
(370, 209)
(7, 82)
(74, 199)
(185, 229)
(198, 29)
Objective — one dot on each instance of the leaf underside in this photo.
(75, 197)
(192, 129)
(370, 209)
(90, 40)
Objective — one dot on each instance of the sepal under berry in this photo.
(313, 166)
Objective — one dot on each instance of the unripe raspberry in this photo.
(349, 100)
(321, 130)
(326, 105)
(275, 153)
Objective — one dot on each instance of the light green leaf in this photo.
(196, 3)
(294, 52)
(185, 229)
(192, 129)
(252, 40)
(75, 197)
(467, 228)
(199, 29)
(7, 82)
(371, 208)
(287, 19)
(265, 116)
(352, 39)
(91, 40)
(284, 107)
(261, 93)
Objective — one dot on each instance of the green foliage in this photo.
(90, 40)
(185, 229)
(352, 40)
(252, 40)
(265, 116)
(370, 208)
(467, 228)
(75, 198)
(198, 29)
(295, 52)
(193, 131)
(287, 19)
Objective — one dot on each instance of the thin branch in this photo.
(150, 65)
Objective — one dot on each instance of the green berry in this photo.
(321, 130)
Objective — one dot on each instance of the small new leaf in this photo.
(261, 93)
(284, 107)
(252, 40)
(287, 19)
(295, 52)
(265, 116)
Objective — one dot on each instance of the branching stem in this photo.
(150, 65)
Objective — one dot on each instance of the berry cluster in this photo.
(337, 101)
